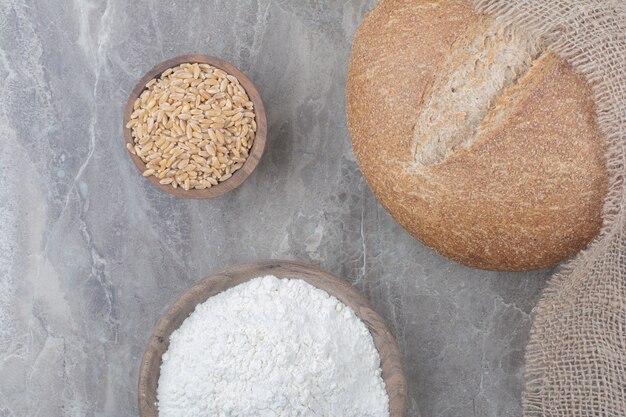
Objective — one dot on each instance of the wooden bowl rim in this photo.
(258, 146)
(179, 310)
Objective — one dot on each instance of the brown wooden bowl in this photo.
(391, 361)
(257, 146)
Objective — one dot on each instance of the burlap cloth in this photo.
(576, 356)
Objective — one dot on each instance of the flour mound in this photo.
(272, 347)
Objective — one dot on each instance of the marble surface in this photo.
(92, 254)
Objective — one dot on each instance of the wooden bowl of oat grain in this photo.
(195, 126)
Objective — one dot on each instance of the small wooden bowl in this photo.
(391, 361)
(257, 146)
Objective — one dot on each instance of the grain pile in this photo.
(193, 126)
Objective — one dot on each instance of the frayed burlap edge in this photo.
(575, 362)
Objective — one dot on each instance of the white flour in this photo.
(272, 348)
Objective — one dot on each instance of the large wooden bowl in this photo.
(391, 361)
(257, 146)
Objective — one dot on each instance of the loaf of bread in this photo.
(479, 141)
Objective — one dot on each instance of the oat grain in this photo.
(192, 126)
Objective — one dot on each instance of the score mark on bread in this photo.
(491, 59)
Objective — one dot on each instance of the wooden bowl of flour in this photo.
(391, 361)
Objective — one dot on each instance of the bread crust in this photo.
(525, 194)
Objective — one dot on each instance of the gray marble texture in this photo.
(91, 254)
